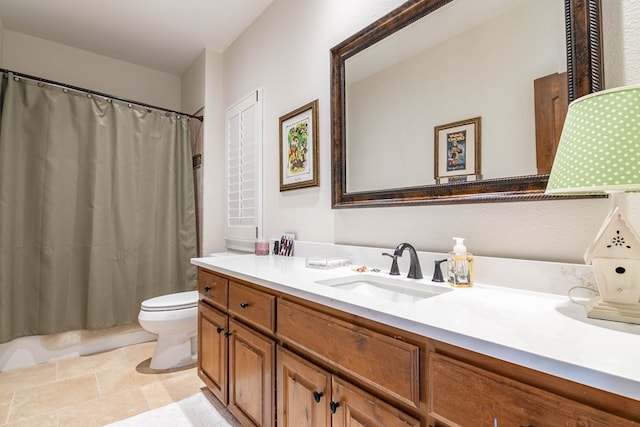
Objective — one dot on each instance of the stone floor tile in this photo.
(48, 398)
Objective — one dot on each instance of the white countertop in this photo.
(540, 331)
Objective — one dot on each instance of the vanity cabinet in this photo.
(271, 357)
(308, 395)
(236, 349)
(330, 370)
(462, 393)
(386, 364)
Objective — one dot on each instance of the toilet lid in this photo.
(178, 301)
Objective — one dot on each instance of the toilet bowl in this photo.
(174, 318)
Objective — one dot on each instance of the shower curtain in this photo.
(96, 209)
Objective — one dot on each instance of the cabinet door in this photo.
(304, 392)
(462, 394)
(212, 350)
(353, 407)
(251, 376)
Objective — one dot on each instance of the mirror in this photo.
(466, 78)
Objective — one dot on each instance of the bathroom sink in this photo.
(385, 288)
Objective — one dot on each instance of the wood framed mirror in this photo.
(580, 48)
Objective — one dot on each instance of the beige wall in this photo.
(61, 63)
(289, 58)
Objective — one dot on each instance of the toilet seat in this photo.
(171, 302)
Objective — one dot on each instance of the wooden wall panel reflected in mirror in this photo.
(357, 144)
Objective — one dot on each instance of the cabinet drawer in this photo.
(462, 394)
(255, 307)
(213, 288)
(385, 363)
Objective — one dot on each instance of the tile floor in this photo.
(91, 390)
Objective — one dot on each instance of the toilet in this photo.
(174, 318)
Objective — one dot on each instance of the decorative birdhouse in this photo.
(615, 256)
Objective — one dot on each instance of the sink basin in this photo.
(385, 288)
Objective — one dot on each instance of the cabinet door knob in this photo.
(244, 304)
(317, 395)
(219, 329)
(227, 334)
(333, 406)
(207, 289)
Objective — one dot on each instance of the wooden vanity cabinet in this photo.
(310, 396)
(470, 389)
(384, 363)
(269, 356)
(340, 370)
(236, 349)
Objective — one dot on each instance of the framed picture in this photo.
(457, 151)
(299, 148)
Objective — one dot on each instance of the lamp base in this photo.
(627, 313)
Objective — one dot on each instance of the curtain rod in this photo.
(93, 92)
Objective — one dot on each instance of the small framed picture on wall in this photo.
(299, 148)
(457, 151)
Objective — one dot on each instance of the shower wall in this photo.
(29, 351)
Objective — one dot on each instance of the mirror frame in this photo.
(584, 74)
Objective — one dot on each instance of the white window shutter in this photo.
(244, 172)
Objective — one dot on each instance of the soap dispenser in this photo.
(460, 265)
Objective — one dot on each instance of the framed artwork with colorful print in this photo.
(299, 148)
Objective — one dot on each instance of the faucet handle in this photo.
(437, 271)
(395, 271)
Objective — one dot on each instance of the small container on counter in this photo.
(262, 248)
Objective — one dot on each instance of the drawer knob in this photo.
(244, 304)
(317, 395)
(334, 406)
(219, 329)
(207, 289)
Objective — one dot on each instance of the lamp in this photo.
(599, 152)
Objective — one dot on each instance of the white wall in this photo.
(214, 195)
(286, 52)
(202, 87)
(53, 61)
(193, 85)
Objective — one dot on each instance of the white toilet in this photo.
(174, 318)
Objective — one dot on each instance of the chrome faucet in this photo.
(415, 272)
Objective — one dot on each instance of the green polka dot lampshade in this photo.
(599, 149)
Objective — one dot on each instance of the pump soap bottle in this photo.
(460, 265)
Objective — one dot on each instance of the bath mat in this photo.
(194, 411)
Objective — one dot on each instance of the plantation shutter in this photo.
(244, 172)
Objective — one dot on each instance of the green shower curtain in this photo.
(96, 209)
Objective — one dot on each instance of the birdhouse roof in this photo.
(616, 239)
